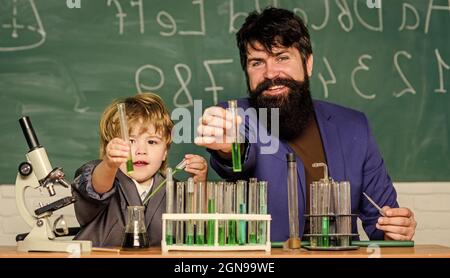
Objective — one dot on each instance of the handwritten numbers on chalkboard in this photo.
(345, 12)
(184, 87)
(326, 82)
(120, 14)
(410, 89)
(145, 88)
(361, 66)
(183, 80)
(441, 64)
(141, 13)
(214, 88)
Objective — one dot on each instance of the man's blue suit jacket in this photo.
(351, 154)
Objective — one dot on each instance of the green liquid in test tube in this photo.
(229, 203)
(210, 192)
(221, 235)
(241, 203)
(252, 209)
(220, 209)
(179, 226)
(211, 209)
(190, 205)
(125, 135)
(169, 239)
(169, 205)
(236, 157)
(231, 232)
(200, 204)
(262, 227)
(235, 146)
(325, 231)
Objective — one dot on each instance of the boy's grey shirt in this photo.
(103, 217)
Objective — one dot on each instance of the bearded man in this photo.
(276, 56)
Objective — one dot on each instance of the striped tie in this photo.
(143, 195)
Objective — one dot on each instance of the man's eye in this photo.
(255, 63)
(283, 58)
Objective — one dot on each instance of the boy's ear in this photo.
(165, 155)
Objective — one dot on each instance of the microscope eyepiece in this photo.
(28, 132)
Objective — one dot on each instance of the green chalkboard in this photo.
(61, 66)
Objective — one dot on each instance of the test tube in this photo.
(180, 166)
(252, 209)
(292, 182)
(210, 192)
(313, 211)
(229, 203)
(345, 208)
(241, 206)
(262, 226)
(169, 206)
(180, 209)
(220, 209)
(200, 232)
(235, 146)
(125, 135)
(190, 208)
(325, 203)
(336, 221)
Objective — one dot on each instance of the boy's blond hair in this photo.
(146, 107)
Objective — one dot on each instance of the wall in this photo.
(429, 201)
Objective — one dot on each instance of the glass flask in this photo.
(135, 236)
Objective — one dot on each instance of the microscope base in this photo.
(70, 246)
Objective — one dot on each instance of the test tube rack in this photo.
(337, 241)
(216, 217)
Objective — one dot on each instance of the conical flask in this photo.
(135, 236)
(21, 27)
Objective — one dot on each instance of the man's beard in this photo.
(295, 106)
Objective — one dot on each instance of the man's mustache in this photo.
(267, 83)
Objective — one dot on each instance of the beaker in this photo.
(135, 231)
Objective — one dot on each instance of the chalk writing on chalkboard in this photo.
(22, 26)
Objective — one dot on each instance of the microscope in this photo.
(37, 173)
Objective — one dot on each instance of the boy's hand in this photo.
(117, 152)
(197, 166)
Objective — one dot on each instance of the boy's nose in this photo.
(140, 149)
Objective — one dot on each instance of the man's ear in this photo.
(309, 65)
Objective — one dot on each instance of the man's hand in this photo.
(399, 223)
(214, 129)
